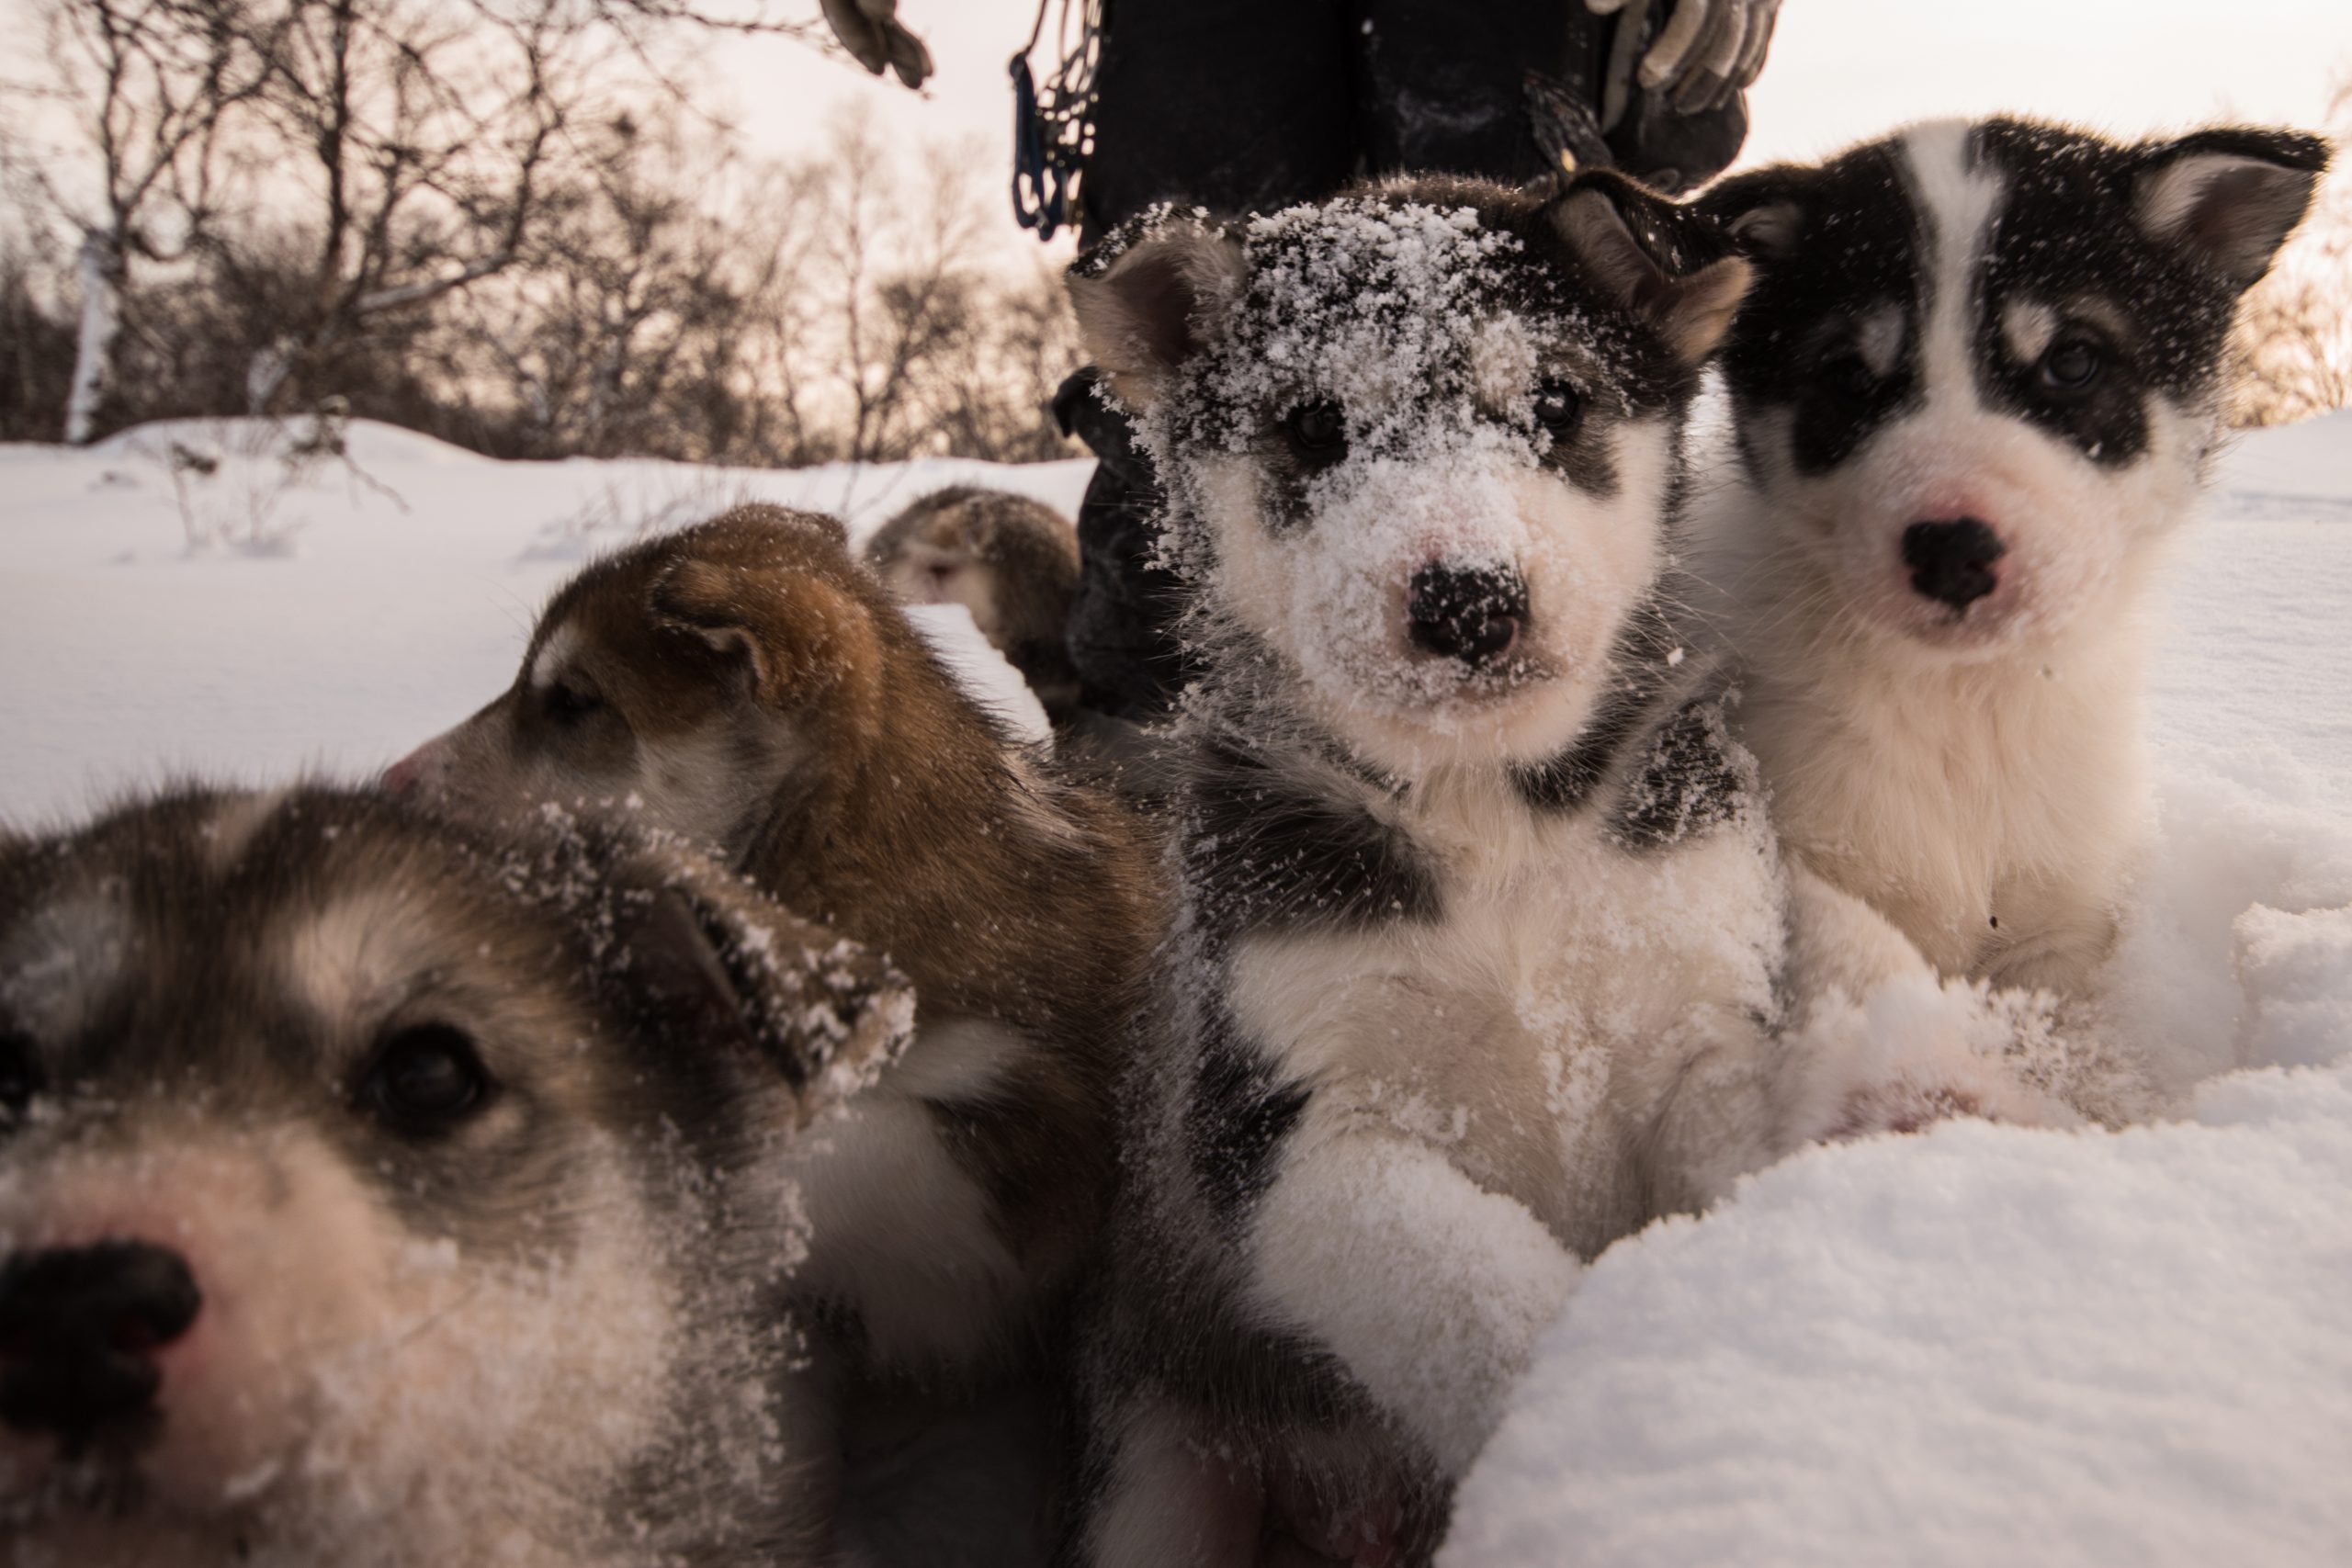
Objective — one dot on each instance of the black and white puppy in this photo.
(1480, 927)
(1976, 388)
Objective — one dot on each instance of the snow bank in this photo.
(378, 604)
(1979, 1345)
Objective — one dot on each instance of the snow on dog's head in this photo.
(1983, 364)
(370, 1196)
(1422, 441)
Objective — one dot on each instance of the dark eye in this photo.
(1318, 430)
(1558, 408)
(425, 1079)
(20, 1078)
(567, 704)
(1849, 375)
(2071, 364)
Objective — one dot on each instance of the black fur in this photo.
(1237, 1117)
(1265, 848)
(1834, 243)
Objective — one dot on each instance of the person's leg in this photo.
(1443, 85)
(1239, 105)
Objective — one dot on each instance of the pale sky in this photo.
(1840, 70)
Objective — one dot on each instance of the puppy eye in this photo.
(1318, 430)
(20, 1079)
(1559, 408)
(2071, 364)
(1849, 375)
(567, 704)
(425, 1079)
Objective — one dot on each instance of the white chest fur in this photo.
(1532, 1028)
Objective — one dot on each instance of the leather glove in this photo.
(871, 31)
(1705, 53)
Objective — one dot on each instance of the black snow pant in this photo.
(1249, 106)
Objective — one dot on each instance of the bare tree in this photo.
(153, 86)
(423, 133)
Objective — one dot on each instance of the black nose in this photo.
(1473, 613)
(79, 1327)
(1952, 562)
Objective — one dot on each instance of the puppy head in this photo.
(1981, 369)
(940, 550)
(1422, 441)
(369, 1195)
(692, 680)
(1011, 561)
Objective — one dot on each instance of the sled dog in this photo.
(1010, 561)
(1976, 388)
(371, 1195)
(748, 684)
(1480, 931)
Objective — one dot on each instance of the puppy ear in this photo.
(795, 635)
(2228, 197)
(712, 962)
(1657, 259)
(1763, 212)
(1147, 308)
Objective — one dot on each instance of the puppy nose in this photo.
(79, 1329)
(1952, 562)
(1472, 614)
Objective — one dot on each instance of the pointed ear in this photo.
(2229, 197)
(1764, 211)
(754, 592)
(714, 964)
(1657, 259)
(721, 606)
(1145, 310)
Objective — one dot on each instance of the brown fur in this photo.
(1012, 560)
(544, 1328)
(874, 796)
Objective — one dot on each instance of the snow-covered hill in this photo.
(1979, 1345)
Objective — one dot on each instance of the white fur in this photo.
(1491, 1094)
(898, 1229)
(1331, 599)
(1957, 770)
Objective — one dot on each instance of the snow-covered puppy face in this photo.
(369, 1196)
(1422, 441)
(1982, 365)
(689, 679)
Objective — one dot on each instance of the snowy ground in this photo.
(1981, 1345)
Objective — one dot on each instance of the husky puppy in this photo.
(1010, 561)
(372, 1196)
(1976, 390)
(1480, 926)
(748, 684)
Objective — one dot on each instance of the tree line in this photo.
(505, 222)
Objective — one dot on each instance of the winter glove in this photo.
(872, 33)
(1700, 60)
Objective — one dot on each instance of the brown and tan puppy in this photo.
(376, 1195)
(748, 684)
(1010, 561)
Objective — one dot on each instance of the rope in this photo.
(1051, 132)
